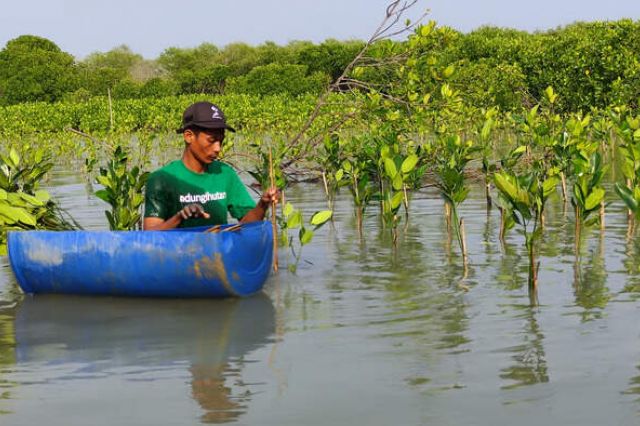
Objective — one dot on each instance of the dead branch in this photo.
(394, 12)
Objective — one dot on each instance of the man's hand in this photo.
(269, 197)
(194, 210)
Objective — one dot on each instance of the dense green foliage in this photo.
(34, 69)
(23, 204)
(248, 113)
(589, 65)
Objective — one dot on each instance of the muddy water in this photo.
(361, 334)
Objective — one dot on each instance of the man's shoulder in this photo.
(218, 167)
(170, 167)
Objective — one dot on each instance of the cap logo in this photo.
(216, 113)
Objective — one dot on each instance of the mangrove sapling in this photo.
(293, 220)
(631, 198)
(486, 151)
(452, 158)
(588, 193)
(509, 163)
(525, 195)
(397, 174)
(628, 129)
(23, 205)
(123, 190)
(330, 162)
(358, 172)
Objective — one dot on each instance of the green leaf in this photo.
(339, 175)
(504, 185)
(549, 185)
(42, 195)
(627, 197)
(321, 217)
(15, 158)
(594, 199)
(305, 236)
(103, 194)
(486, 129)
(3, 194)
(31, 199)
(295, 220)
(397, 182)
(396, 201)
(409, 163)
(448, 72)
(519, 150)
(17, 214)
(390, 168)
(103, 180)
(288, 209)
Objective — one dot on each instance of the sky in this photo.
(150, 26)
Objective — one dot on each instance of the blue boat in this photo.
(179, 263)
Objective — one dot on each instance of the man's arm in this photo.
(258, 212)
(159, 224)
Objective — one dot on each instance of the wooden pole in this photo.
(273, 215)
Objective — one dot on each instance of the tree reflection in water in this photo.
(212, 336)
(7, 354)
(590, 279)
(530, 365)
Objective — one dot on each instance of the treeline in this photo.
(588, 64)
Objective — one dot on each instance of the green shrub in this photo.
(275, 79)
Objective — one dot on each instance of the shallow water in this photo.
(361, 334)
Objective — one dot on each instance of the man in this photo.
(198, 190)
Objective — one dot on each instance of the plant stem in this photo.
(503, 223)
(447, 216)
(533, 270)
(405, 200)
(578, 231)
(629, 212)
(463, 241)
(563, 179)
(273, 215)
(487, 194)
(326, 190)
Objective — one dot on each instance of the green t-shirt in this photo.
(219, 190)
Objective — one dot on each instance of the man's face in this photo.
(205, 145)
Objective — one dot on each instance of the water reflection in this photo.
(212, 336)
(412, 292)
(590, 279)
(634, 386)
(7, 354)
(530, 364)
(632, 266)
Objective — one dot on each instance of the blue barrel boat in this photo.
(178, 263)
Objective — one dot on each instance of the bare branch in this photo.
(394, 12)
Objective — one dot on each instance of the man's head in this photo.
(204, 115)
(203, 129)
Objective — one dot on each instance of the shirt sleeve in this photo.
(155, 202)
(239, 202)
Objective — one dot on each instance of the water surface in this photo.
(361, 334)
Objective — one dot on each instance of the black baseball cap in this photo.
(204, 115)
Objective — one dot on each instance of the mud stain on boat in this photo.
(209, 267)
